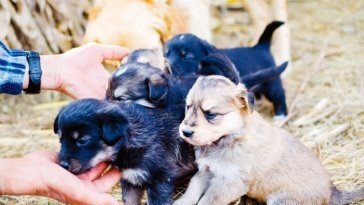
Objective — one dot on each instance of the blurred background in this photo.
(325, 90)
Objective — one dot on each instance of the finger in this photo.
(107, 181)
(68, 188)
(109, 52)
(94, 172)
(86, 196)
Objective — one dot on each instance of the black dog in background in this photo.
(184, 52)
(144, 143)
(151, 87)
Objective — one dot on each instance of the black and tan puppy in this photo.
(185, 52)
(144, 143)
(151, 87)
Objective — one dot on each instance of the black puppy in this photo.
(151, 87)
(144, 143)
(186, 51)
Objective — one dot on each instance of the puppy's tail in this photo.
(340, 197)
(266, 37)
(262, 76)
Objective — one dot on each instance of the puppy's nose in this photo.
(187, 133)
(64, 164)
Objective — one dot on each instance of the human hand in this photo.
(39, 174)
(79, 72)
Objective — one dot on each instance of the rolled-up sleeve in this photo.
(12, 69)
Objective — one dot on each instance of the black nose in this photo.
(187, 133)
(64, 164)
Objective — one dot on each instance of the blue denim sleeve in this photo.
(12, 69)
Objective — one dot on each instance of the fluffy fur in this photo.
(185, 52)
(142, 142)
(238, 153)
(146, 23)
(151, 87)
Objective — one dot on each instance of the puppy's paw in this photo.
(182, 201)
(279, 118)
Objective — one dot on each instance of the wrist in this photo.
(18, 177)
(6, 181)
(26, 77)
(51, 68)
(3, 177)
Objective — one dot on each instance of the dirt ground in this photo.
(328, 116)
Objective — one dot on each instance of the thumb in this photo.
(110, 52)
(108, 180)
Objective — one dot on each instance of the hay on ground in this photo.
(324, 91)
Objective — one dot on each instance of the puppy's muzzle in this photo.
(187, 133)
(64, 164)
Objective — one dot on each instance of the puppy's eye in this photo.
(82, 141)
(188, 107)
(120, 98)
(209, 115)
(185, 55)
(188, 56)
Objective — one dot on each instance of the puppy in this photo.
(184, 52)
(261, 13)
(197, 15)
(151, 87)
(151, 57)
(239, 153)
(126, 23)
(146, 23)
(144, 143)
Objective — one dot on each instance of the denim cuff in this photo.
(12, 70)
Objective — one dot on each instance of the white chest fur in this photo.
(135, 176)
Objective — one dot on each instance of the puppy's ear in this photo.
(246, 99)
(218, 64)
(114, 124)
(55, 125)
(208, 48)
(158, 87)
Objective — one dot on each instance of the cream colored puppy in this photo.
(239, 153)
(197, 15)
(134, 24)
(147, 24)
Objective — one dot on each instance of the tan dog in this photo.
(146, 23)
(239, 153)
(134, 24)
